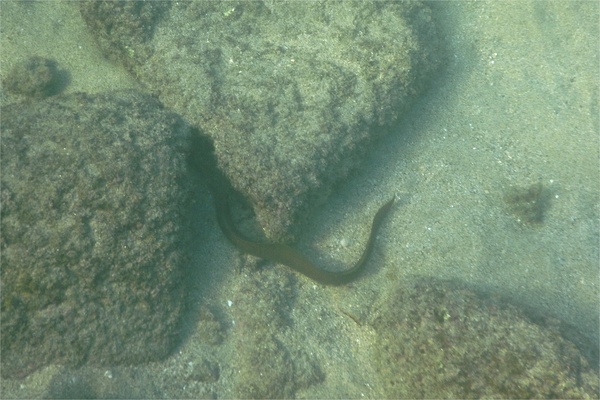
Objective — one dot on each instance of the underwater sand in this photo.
(514, 109)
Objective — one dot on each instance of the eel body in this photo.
(283, 254)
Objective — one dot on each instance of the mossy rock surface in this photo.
(267, 364)
(35, 78)
(95, 195)
(437, 339)
(293, 93)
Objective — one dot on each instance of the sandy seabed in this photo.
(514, 110)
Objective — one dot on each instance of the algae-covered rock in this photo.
(91, 383)
(291, 92)
(35, 78)
(124, 27)
(95, 193)
(266, 365)
(437, 340)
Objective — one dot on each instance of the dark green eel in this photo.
(283, 254)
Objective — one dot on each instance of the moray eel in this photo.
(286, 255)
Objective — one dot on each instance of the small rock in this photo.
(35, 78)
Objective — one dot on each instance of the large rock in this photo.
(437, 339)
(95, 192)
(291, 92)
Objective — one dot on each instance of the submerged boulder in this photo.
(437, 339)
(95, 196)
(291, 92)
